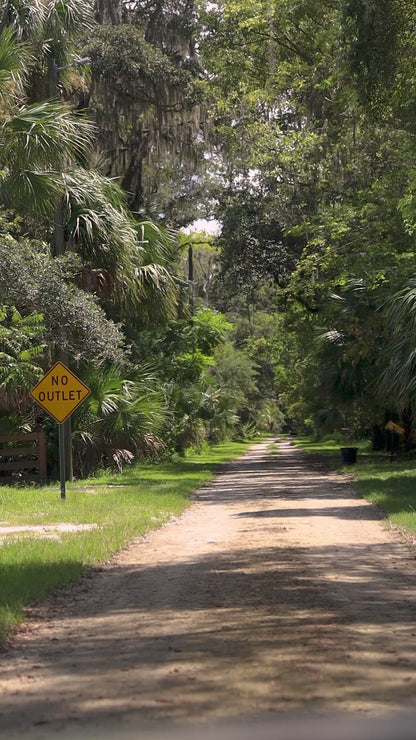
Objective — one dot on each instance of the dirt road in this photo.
(278, 590)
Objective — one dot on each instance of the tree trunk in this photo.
(108, 12)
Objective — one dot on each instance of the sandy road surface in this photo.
(278, 590)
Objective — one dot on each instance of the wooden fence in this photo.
(23, 458)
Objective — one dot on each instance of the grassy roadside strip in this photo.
(391, 484)
(121, 507)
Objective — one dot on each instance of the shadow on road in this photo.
(235, 629)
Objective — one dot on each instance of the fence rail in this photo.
(23, 458)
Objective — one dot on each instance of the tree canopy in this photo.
(293, 126)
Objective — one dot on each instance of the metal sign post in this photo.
(59, 393)
(62, 456)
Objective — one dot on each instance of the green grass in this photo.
(123, 506)
(390, 484)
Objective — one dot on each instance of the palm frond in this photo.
(101, 227)
(30, 191)
(63, 20)
(125, 409)
(45, 134)
(68, 16)
(36, 143)
(23, 17)
(152, 294)
(13, 60)
(159, 244)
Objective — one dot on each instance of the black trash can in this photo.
(349, 455)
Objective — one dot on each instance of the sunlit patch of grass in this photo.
(390, 484)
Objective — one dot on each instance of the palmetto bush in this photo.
(120, 421)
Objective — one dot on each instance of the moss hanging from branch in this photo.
(145, 95)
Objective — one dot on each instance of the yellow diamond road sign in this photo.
(60, 392)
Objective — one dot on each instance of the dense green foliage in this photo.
(84, 277)
(316, 195)
(293, 125)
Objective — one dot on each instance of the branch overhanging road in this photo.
(278, 590)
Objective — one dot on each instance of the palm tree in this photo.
(51, 27)
(41, 144)
(128, 265)
(35, 140)
(23, 18)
